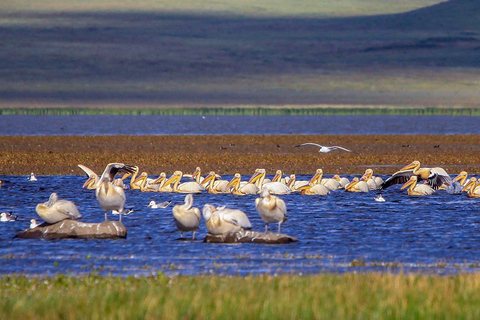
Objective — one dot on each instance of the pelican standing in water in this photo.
(416, 189)
(186, 216)
(435, 177)
(55, 210)
(323, 149)
(109, 195)
(224, 220)
(271, 209)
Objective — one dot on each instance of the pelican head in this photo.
(411, 181)
(473, 181)
(278, 176)
(211, 176)
(336, 177)
(196, 174)
(461, 176)
(160, 178)
(208, 210)
(257, 175)
(91, 182)
(176, 176)
(352, 183)
(414, 165)
(317, 177)
(235, 180)
(367, 175)
(141, 177)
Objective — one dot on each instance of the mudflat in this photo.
(228, 154)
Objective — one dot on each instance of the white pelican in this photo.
(223, 220)
(462, 178)
(215, 186)
(271, 209)
(315, 189)
(417, 189)
(160, 183)
(187, 218)
(134, 183)
(323, 149)
(186, 187)
(473, 188)
(147, 184)
(357, 185)
(33, 224)
(32, 177)
(435, 177)
(343, 181)
(93, 178)
(55, 210)
(273, 187)
(7, 217)
(238, 189)
(110, 196)
(371, 180)
(162, 205)
(295, 185)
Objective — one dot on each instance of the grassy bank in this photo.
(347, 296)
(250, 111)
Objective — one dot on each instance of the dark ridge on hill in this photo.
(453, 15)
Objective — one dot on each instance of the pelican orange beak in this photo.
(172, 179)
(277, 177)
(410, 166)
(233, 182)
(196, 173)
(366, 176)
(317, 176)
(139, 179)
(460, 176)
(408, 183)
(210, 176)
(256, 176)
(467, 186)
(352, 183)
(89, 182)
(159, 179)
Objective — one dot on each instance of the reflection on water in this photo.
(436, 234)
(146, 125)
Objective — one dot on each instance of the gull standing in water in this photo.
(323, 149)
(56, 210)
(186, 216)
(109, 195)
(271, 209)
(32, 177)
(33, 224)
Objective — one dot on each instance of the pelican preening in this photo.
(109, 195)
(323, 149)
(222, 220)
(7, 217)
(271, 209)
(239, 189)
(162, 205)
(186, 187)
(186, 216)
(55, 210)
(435, 177)
(417, 189)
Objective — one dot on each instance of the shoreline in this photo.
(228, 154)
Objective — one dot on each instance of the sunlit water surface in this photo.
(337, 233)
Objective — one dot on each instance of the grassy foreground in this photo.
(330, 296)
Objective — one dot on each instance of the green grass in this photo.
(250, 110)
(329, 296)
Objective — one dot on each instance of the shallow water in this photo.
(196, 125)
(338, 233)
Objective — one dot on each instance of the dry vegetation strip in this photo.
(347, 296)
(53, 155)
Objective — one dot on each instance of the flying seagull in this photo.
(323, 149)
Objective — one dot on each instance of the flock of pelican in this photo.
(110, 193)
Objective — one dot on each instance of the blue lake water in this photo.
(435, 234)
(156, 125)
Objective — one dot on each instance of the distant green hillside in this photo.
(277, 8)
(79, 57)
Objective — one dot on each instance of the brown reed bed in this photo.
(227, 154)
